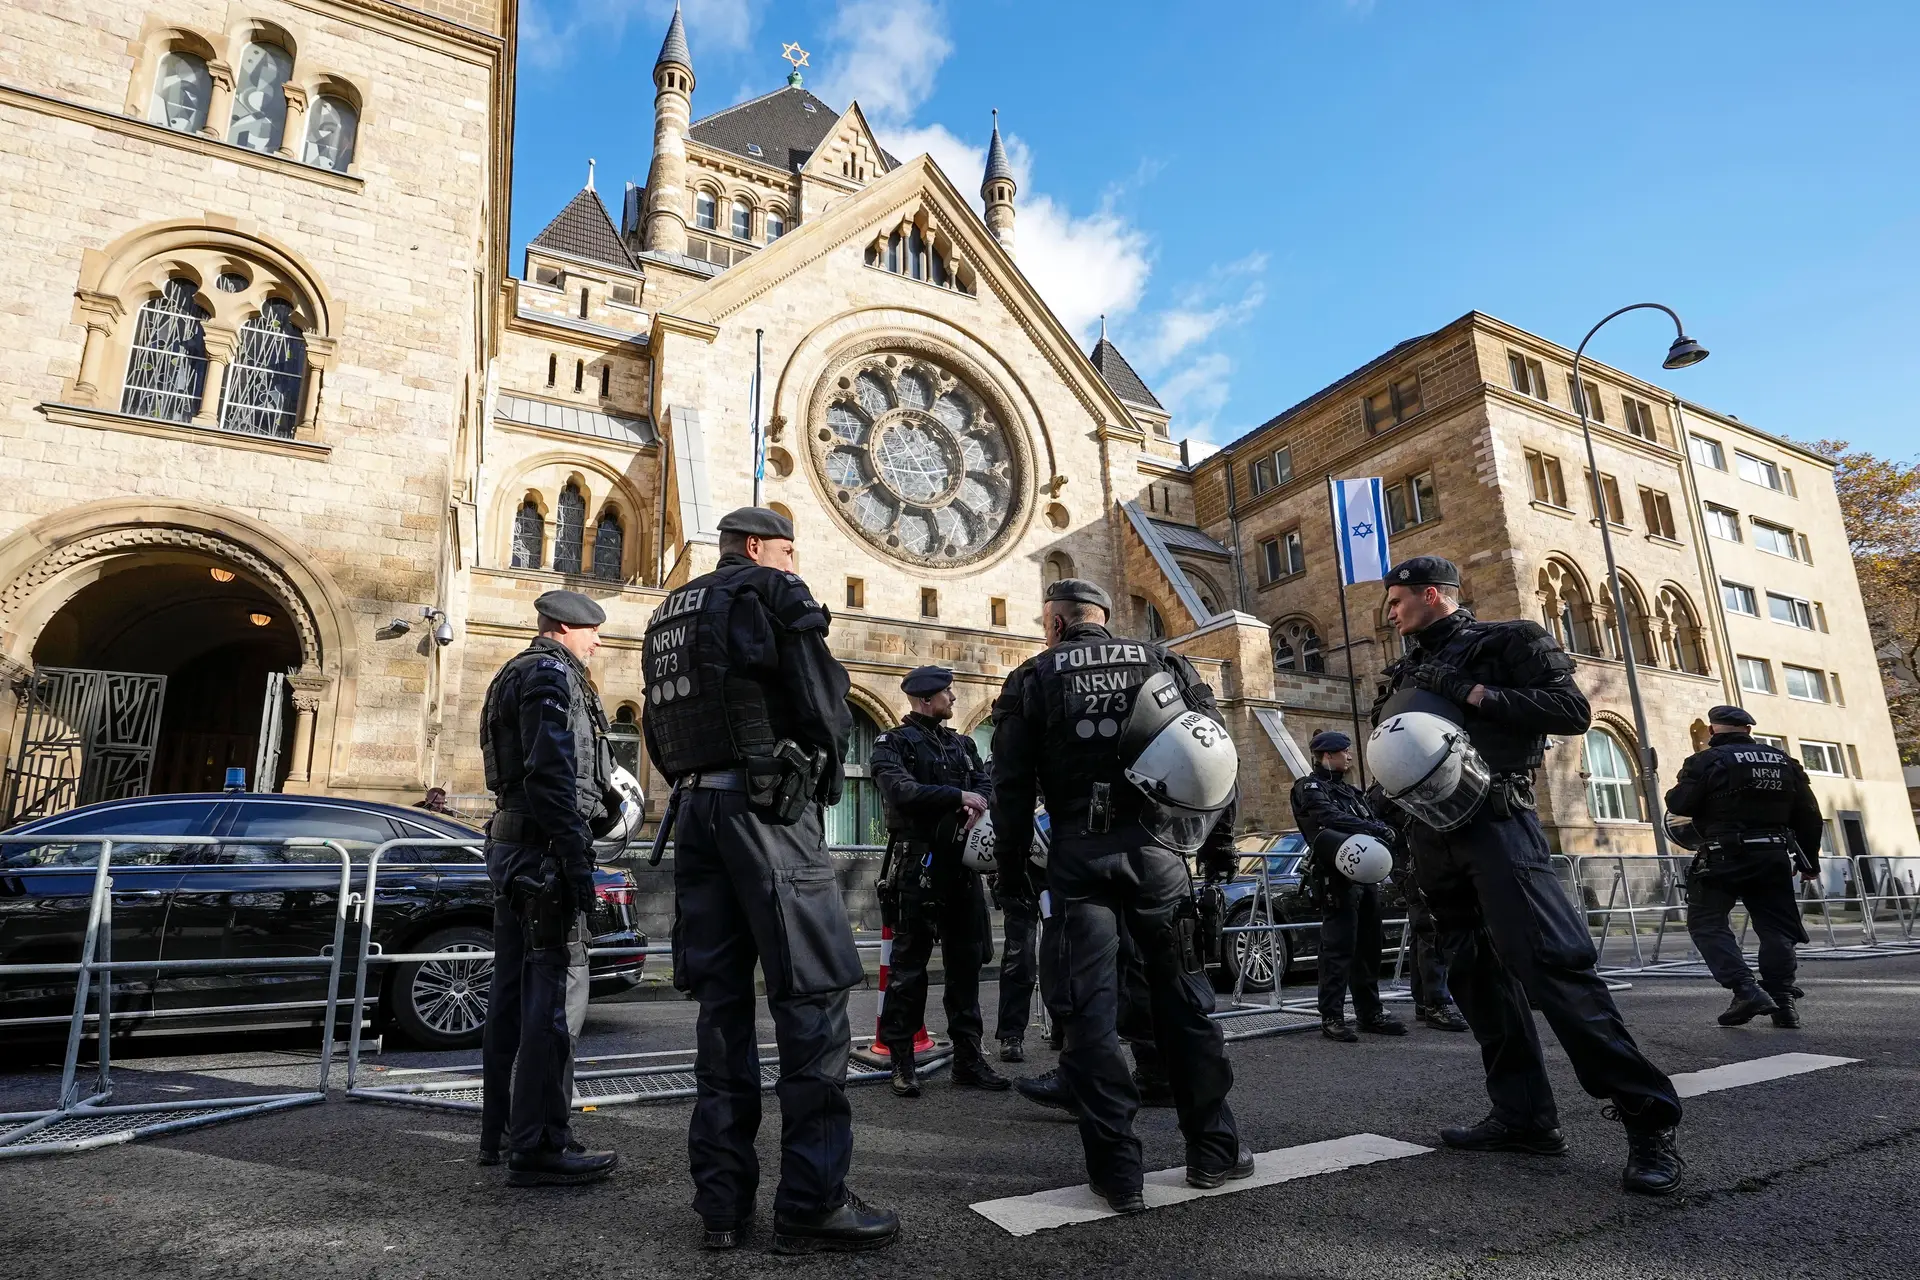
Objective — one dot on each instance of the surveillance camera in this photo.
(443, 634)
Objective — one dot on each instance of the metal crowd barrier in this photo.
(77, 1123)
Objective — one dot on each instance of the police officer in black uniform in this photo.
(934, 788)
(543, 741)
(1020, 929)
(1056, 728)
(1327, 809)
(1755, 821)
(746, 715)
(1512, 935)
(1427, 959)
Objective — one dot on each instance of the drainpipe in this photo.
(1233, 525)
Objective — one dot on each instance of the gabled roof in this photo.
(1185, 537)
(584, 229)
(1118, 374)
(787, 126)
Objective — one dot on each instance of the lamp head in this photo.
(1684, 351)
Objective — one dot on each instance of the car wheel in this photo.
(1254, 953)
(442, 1004)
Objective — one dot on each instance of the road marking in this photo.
(1043, 1210)
(1758, 1071)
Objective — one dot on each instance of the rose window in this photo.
(915, 459)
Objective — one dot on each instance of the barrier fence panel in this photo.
(78, 1123)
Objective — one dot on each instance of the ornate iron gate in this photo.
(85, 736)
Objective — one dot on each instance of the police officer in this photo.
(543, 741)
(1755, 820)
(1057, 729)
(746, 715)
(1327, 809)
(1427, 970)
(934, 789)
(1512, 936)
(1019, 968)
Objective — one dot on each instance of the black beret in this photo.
(1079, 589)
(1329, 740)
(757, 522)
(1730, 715)
(1424, 571)
(571, 608)
(924, 682)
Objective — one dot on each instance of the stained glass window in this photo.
(167, 369)
(260, 98)
(569, 530)
(331, 125)
(261, 395)
(609, 545)
(529, 536)
(181, 88)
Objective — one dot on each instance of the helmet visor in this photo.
(1182, 830)
(1450, 794)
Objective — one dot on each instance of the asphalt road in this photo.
(1817, 1175)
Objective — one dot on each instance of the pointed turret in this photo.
(997, 189)
(673, 50)
(666, 229)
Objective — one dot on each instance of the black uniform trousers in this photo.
(953, 911)
(1427, 972)
(1104, 888)
(1134, 1021)
(535, 1008)
(1019, 969)
(1350, 943)
(1513, 937)
(749, 891)
(1767, 890)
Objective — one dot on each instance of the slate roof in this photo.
(1184, 537)
(1119, 375)
(585, 230)
(674, 47)
(613, 427)
(997, 166)
(779, 123)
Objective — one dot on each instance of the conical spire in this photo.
(998, 170)
(674, 48)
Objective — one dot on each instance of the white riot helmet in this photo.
(977, 853)
(1042, 840)
(1427, 766)
(1181, 760)
(1363, 860)
(633, 810)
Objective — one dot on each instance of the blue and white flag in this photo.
(1360, 530)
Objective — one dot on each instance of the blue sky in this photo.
(1263, 196)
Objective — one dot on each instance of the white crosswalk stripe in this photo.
(1758, 1071)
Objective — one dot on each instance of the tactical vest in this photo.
(935, 757)
(701, 714)
(1498, 655)
(1753, 789)
(1087, 686)
(504, 755)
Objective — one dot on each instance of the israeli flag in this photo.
(1360, 530)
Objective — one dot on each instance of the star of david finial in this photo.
(794, 54)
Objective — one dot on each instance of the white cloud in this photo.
(886, 56)
(1196, 394)
(552, 32)
(1202, 311)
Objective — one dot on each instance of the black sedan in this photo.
(1263, 955)
(237, 898)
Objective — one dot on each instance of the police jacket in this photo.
(736, 661)
(1056, 728)
(1528, 678)
(1326, 801)
(543, 740)
(921, 767)
(1741, 787)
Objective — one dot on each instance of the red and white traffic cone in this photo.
(922, 1042)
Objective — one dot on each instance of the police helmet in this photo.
(1427, 766)
(1181, 760)
(1363, 860)
(633, 811)
(977, 853)
(1681, 831)
(1042, 840)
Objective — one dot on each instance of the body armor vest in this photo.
(1752, 791)
(702, 714)
(936, 757)
(1499, 655)
(504, 755)
(1087, 686)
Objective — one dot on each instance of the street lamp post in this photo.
(1684, 352)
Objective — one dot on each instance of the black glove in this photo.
(579, 878)
(1218, 867)
(1438, 677)
(1014, 882)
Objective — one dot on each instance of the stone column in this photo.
(220, 343)
(319, 359)
(100, 312)
(293, 135)
(220, 101)
(307, 692)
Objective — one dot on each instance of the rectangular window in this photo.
(1822, 757)
(1756, 674)
(1543, 479)
(856, 593)
(1411, 502)
(1771, 740)
(1282, 465)
(1819, 616)
(1853, 760)
(606, 380)
(1658, 509)
(583, 304)
(1758, 471)
(626, 295)
(1805, 683)
(549, 276)
(1609, 494)
(1529, 378)
(1775, 538)
(1595, 413)
(1393, 403)
(1739, 598)
(1806, 552)
(1707, 453)
(1839, 698)
(1270, 570)
(1722, 522)
(1293, 552)
(997, 611)
(929, 602)
(1639, 416)
(1262, 474)
(1795, 613)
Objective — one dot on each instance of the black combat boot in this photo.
(1013, 1049)
(1383, 1024)
(1495, 1135)
(1121, 1200)
(725, 1233)
(1338, 1029)
(1654, 1165)
(905, 1082)
(854, 1227)
(1786, 1014)
(1443, 1017)
(565, 1168)
(975, 1072)
(1748, 1003)
(1207, 1179)
(1049, 1091)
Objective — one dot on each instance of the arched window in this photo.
(705, 211)
(742, 225)
(1155, 624)
(1296, 647)
(1683, 645)
(261, 395)
(529, 536)
(181, 88)
(1056, 566)
(1567, 611)
(916, 253)
(569, 529)
(167, 369)
(776, 227)
(260, 97)
(331, 125)
(1613, 793)
(858, 818)
(893, 252)
(1637, 625)
(982, 736)
(624, 738)
(609, 546)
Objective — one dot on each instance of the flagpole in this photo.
(759, 461)
(1346, 630)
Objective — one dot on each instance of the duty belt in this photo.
(1508, 791)
(717, 780)
(511, 827)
